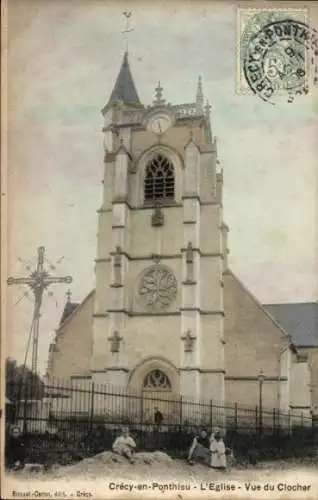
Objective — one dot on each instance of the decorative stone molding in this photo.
(156, 258)
(117, 369)
(189, 253)
(133, 167)
(117, 267)
(109, 157)
(189, 263)
(200, 370)
(120, 199)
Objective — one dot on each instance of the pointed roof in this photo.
(68, 309)
(124, 89)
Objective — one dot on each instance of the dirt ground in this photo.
(158, 465)
(108, 476)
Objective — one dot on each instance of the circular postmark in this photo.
(277, 59)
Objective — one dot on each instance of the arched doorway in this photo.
(157, 381)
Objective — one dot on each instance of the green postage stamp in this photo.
(272, 47)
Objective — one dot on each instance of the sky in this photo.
(62, 61)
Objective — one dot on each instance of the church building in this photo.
(167, 313)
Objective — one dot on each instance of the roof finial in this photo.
(68, 295)
(158, 95)
(207, 108)
(127, 29)
(199, 97)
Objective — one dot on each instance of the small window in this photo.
(157, 380)
(159, 180)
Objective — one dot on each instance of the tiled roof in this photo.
(298, 319)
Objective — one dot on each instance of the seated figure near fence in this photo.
(199, 448)
(125, 445)
(218, 451)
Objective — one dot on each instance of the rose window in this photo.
(158, 287)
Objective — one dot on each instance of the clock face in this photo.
(159, 124)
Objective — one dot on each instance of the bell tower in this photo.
(158, 315)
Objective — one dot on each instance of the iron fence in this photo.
(75, 419)
(63, 403)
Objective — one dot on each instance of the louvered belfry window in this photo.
(159, 180)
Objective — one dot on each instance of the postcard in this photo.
(159, 250)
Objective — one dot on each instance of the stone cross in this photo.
(117, 267)
(115, 340)
(188, 340)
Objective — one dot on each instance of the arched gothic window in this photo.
(157, 380)
(159, 179)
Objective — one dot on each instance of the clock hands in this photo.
(159, 124)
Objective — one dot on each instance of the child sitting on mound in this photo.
(124, 445)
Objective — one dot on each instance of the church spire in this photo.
(199, 97)
(124, 89)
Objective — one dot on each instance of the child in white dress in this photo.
(217, 449)
(125, 445)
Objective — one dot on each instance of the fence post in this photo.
(302, 420)
(256, 419)
(235, 416)
(141, 419)
(181, 409)
(92, 405)
(141, 408)
(211, 412)
(25, 409)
